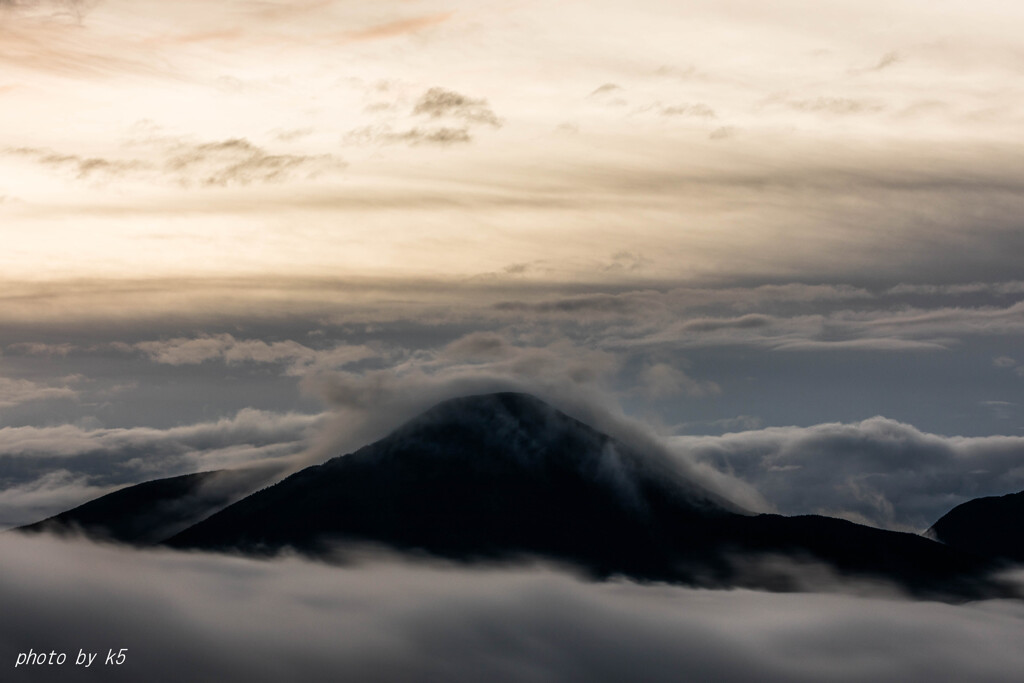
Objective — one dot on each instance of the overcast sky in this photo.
(780, 242)
(237, 231)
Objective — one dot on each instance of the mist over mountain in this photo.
(991, 526)
(506, 476)
(152, 511)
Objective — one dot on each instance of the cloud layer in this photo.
(879, 471)
(223, 618)
(47, 470)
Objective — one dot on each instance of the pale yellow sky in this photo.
(573, 141)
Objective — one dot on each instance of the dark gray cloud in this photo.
(879, 471)
(218, 618)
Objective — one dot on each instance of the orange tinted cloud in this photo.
(398, 28)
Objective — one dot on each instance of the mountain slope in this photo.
(992, 526)
(483, 476)
(152, 511)
(506, 475)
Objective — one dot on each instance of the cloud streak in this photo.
(298, 358)
(233, 162)
(17, 391)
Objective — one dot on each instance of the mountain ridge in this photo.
(505, 476)
(501, 476)
(991, 526)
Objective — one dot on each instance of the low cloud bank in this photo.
(47, 470)
(217, 618)
(879, 471)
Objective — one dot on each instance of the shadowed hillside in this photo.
(992, 526)
(505, 475)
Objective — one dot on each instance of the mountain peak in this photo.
(505, 475)
(502, 474)
(491, 433)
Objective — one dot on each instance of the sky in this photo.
(782, 240)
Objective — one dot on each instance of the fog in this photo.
(215, 618)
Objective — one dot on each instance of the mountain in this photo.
(992, 526)
(150, 512)
(479, 477)
(504, 476)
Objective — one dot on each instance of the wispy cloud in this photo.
(17, 391)
(231, 162)
(399, 27)
(298, 358)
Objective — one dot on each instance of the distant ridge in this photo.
(150, 512)
(991, 526)
(503, 477)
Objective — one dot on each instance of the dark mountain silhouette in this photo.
(150, 512)
(505, 475)
(992, 526)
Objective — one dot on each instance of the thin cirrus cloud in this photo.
(399, 27)
(232, 162)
